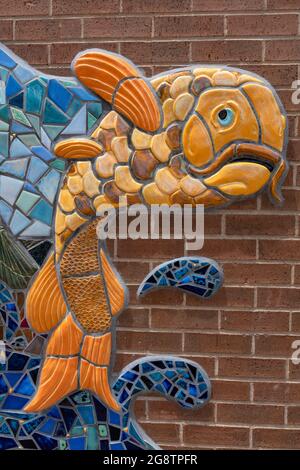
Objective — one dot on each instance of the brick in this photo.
(176, 52)
(251, 368)
(117, 27)
(34, 54)
(286, 5)
(149, 342)
(223, 249)
(295, 321)
(274, 345)
(169, 411)
(277, 392)
(217, 343)
(255, 321)
(212, 224)
(163, 433)
(256, 274)
(276, 438)
(260, 225)
(278, 298)
(184, 319)
(223, 51)
(230, 390)
(24, 8)
(205, 362)
(140, 409)
(227, 297)
(249, 414)
(284, 250)
(123, 359)
(47, 30)
(139, 249)
(156, 6)
(215, 435)
(294, 151)
(283, 49)
(62, 53)
(189, 26)
(6, 30)
(134, 318)
(84, 7)
(294, 415)
(294, 370)
(132, 271)
(260, 25)
(227, 5)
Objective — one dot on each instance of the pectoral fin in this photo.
(45, 305)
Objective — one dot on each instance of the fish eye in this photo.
(225, 116)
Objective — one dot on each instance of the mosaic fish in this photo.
(200, 135)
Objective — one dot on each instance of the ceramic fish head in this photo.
(220, 132)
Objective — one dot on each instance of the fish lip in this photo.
(246, 151)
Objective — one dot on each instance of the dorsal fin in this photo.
(119, 82)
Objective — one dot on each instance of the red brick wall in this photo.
(243, 336)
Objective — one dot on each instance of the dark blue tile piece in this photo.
(43, 153)
(17, 101)
(17, 361)
(6, 60)
(7, 443)
(13, 402)
(12, 86)
(59, 94)
(44, 442)
(25, 387)
(77, 443)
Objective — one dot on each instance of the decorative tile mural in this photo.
(68, 148)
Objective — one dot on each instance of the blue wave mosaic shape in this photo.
(196, 275)
(80, 421)
(35, 110)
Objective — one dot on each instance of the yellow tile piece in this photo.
(119, 146)
(105, 165)
(160, 148)
(208, 71)
(197, 145)
(225, 78)
(90, 184)
(73, 221)
(66, 200)
(109, 121)
(166, 181)
(182, 106)
(271, 120)
(243, 78)
(192, 186)
(168, 112)
(239, 178)
(153, 195)
(83, 167)
(60, 221)
(74, 184)
(140, 140)
(125, 181)
(180, 85)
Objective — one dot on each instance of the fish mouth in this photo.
(249, 152)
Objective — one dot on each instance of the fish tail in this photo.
(59, 374)
(95, 359)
